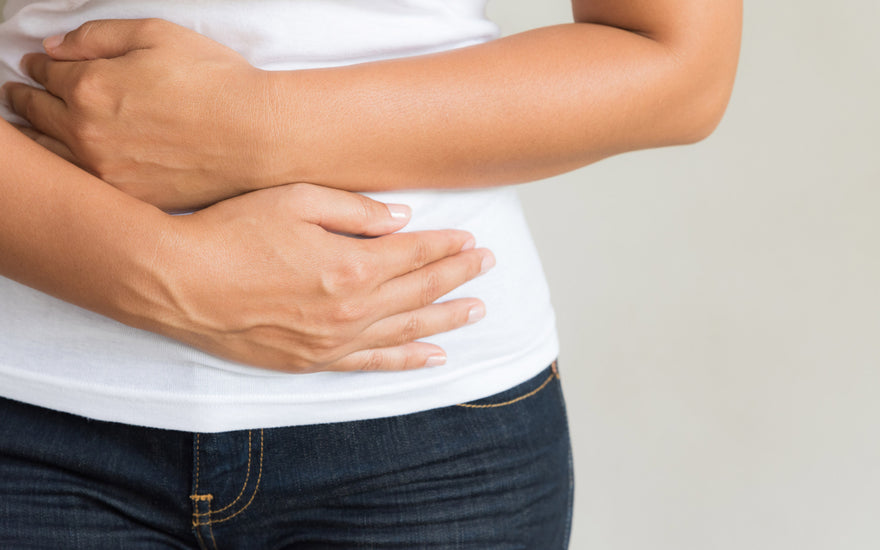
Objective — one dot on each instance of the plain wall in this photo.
(719, 304)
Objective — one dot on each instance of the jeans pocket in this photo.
(519, 393)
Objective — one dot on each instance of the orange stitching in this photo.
(198, 532)
(196, 497)
(253, 496)
(198, 463)
(512, 401)
(211, 532)
(247, 477)
(199, 536)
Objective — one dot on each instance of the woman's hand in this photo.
(157, 110)
(266, 279)
(271, 279)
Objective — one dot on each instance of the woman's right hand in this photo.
(277, 279)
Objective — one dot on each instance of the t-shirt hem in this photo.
(213, 413)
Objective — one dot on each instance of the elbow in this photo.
(704, 78)
(702, 111)
(701, 67)
(705, 86)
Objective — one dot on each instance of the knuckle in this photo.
(365, 208)
(374, 360)
(23, 103)
(349, 276)
(412, 330)
(87, 89)
(421, 253)
(462, 315)
(358, 272)
(318, 357)
(347, 313)
(77, 36)
(320, 350)
(431, 287)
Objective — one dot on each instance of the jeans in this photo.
(491, 474)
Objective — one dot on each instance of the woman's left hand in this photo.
(159, 111)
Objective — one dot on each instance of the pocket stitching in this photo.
(553, 375)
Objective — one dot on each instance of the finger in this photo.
(49, 143)
(390, 343)
(44, 111)
(57, 77)
(426, 321)
(106, 38)
(406, 357)
(350, 213)
(424, 286)
(394, 255)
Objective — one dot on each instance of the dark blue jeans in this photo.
(492, 474)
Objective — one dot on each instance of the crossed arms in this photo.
(627, 75)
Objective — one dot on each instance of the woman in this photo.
(194, 446)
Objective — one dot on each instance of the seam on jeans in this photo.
(243, 487)
(249, 502)
(198, 464)
(553, 375)
(198, 531)
(196, 497)
(211, 532)
(200, 539)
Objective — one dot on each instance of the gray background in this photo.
(719, 304)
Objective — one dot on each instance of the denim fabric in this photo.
(492, 474)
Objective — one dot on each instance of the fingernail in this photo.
(53, 41)
(399, 211)
(469, 244)
(476, 313)
(435, 361)
(488, 263)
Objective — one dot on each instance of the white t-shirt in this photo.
(59, 356)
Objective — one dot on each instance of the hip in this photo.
(493, 473)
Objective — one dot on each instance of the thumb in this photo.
(105, 38)
(350, 213)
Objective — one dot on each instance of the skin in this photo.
(626, 75)
(265, 279)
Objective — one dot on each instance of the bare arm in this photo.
(264, 279)
(628, 74)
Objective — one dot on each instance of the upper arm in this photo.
(675, 22)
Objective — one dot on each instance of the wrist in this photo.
(148, 272)
(287, 118)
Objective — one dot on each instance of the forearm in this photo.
(66, 233)
(266, 279)
(630, 74)
(514, 110)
